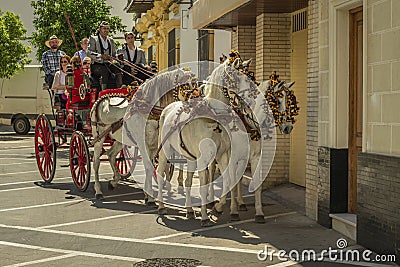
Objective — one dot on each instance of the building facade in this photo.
(168, 37)
(344, 56)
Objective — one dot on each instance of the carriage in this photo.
(73, 131)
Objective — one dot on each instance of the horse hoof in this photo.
(235, 217)
(99, 196)
(162, 211)
(259, 219)
(215, 212)
(206, 223)
(110, 186)
(151, 204)
(191, 215)
(243, 207)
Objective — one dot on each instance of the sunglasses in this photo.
(85, 63)
(63, 61)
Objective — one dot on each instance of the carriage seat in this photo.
(123, 91)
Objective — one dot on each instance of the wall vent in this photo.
(299, 20)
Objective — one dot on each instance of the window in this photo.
(150, 54)
(171, 48)
(204, 52)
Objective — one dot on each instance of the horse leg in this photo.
(112, 156)
(258, 205)
(205, 220)
(242, 205)
(234, 206)
(211, 173)
(148, 181)
(190, 214)
(223, 165)
(162, 165)
(180, 178)
(254, 158)
(168, 178)
(98, 147)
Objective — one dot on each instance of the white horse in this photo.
(262, 151)
(202, 142)
(111, 110)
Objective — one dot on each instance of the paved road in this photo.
(56, 225)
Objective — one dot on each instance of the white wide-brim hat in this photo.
(52, 38)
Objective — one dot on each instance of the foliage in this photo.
(13, 53)
(84, 15)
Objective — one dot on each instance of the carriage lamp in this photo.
(69, 81)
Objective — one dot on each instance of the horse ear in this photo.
(279, 85)
(247, 62)
(236, 63)
(288, 85)
(222, 58)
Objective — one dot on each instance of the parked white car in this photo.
(22, 99)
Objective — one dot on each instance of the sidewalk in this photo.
(299, 233)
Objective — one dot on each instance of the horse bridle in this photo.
(237, 101)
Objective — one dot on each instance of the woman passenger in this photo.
(58, 86)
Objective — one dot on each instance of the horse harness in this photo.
(116, 125)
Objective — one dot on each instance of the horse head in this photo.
(282, 102)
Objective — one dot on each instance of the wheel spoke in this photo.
(74, 168)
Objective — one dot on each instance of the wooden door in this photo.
(355, 102)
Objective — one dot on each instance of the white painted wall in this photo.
(189, 44)
(222, 43)
(117, 9)
(188, 37)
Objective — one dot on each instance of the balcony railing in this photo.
(138, 6)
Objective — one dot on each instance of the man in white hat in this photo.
(51, 59)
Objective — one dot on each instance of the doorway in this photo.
(298, 70)
(355, 101)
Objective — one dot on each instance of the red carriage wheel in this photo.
(126, 161)
(45, 148)
(79, 161)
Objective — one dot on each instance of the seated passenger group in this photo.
(95, 61)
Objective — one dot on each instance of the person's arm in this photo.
(45, 63)
(57, 86)
(142, 60)
(113, 50)
(92, 52)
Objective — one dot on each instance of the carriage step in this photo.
(177, 161)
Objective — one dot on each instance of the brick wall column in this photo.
(244, 40)
(273, 45)
(273, 54)
(312, 111)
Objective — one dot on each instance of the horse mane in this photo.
(215, 83)
(159, 88)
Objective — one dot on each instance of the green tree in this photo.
(84, 15)
(13, 53)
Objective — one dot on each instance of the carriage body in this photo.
(72, 131)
